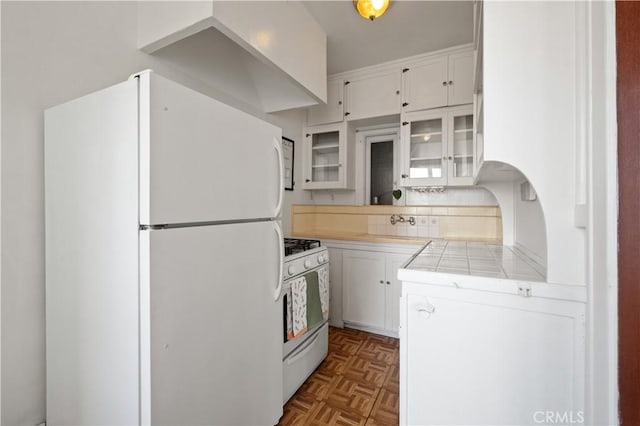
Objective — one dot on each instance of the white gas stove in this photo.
(303, 350)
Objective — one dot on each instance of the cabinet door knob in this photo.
(339, 102)
(444, 157)
(405, 104)
(444, 83)
(307, 135)
(381, 281)
(347, 113)
(450, 82)
(404, 176)
(397, 92)
(404, 123)
(405, 69)
(450, 158)
(388, 283)
(307, 180)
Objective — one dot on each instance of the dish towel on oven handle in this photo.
(299, 306)
(314, 304)
(323, 284)
(307, 303)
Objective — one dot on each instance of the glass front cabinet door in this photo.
(325, 157)
(438, 147)
(460, 149)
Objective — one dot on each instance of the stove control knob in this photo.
(320, 259)
(291, 270)
(307, 264)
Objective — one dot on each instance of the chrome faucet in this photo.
(395, 218)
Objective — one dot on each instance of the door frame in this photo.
(381, 135)
(627, 17)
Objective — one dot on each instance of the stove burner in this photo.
(295, 245)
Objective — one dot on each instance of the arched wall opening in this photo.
(523, 220)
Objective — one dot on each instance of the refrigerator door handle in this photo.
(276, 294)
(278, 147)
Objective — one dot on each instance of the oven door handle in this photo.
(303, 351)
(280, 241)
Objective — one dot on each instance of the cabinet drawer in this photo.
(301, 363)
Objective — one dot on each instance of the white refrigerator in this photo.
(163, 259)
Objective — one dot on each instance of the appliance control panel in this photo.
(301, 263)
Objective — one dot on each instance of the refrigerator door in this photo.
(203, 161)
(211, 352)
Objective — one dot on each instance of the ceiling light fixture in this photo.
(371, 9)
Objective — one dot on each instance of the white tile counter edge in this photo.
(407, 248)
(574, 293)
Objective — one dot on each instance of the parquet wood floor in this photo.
(357, 384)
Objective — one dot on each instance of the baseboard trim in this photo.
(373, 330)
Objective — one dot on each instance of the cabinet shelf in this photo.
(324, 166)
(426, 158)
(422, 135)
(463, 131)
(331, 147)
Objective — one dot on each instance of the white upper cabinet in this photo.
(332, 111)
(422, 82)
(438, 147)
(460, 83)
(327, 157)
(372, 95)
(424, 85)
(437, 82)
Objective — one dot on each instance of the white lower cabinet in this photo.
(393, 263)
(364, 290)
(484, 357)
(371, 290)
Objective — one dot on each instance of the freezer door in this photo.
(203, 161)
(212, 351)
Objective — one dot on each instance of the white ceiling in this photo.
(407, 28)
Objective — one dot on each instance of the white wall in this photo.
(529, 227)
(531, 108)
(53, 52)
(602, 201)
(291, 123)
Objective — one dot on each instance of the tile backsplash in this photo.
(424, 226)
(450, 222)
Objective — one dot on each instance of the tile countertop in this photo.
(476, 259)
(360, 237)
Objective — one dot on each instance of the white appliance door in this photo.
(212, 351)
(203, 161)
